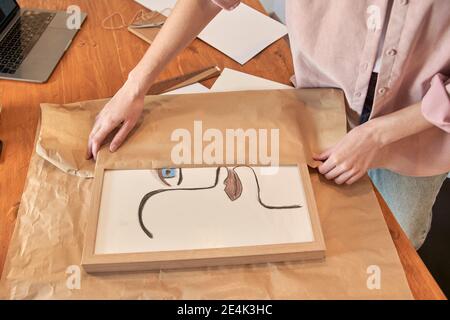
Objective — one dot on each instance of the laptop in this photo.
(32, 41)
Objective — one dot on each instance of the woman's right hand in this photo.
(186, 21)
(122, 112)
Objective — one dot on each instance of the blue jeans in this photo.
(410, 199)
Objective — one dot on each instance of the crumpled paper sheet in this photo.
(49, 233)
(318, 122)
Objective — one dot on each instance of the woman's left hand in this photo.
(353, 156)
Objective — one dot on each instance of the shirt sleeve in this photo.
(227, 4)
(436, 102)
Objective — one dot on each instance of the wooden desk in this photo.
(96, 66)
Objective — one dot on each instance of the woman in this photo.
(391, 59)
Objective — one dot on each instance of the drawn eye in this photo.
(170, 173)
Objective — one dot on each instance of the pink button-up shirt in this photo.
(335, 44)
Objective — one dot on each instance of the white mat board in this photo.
(232, 80)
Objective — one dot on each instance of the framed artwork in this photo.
(147, 219)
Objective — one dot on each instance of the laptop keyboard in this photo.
(21, 38)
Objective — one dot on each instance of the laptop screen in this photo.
(7, 9)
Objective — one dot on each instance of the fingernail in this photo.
(113, 148)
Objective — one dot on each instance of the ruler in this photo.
(184, 80)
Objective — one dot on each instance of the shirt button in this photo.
(403, 2)
(391, 52)
(358, 94)
(382, 90)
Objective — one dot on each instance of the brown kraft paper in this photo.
(44, 257)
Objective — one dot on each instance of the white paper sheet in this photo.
(193, 88)
(232, 80)
(183, 220)
(240, 34)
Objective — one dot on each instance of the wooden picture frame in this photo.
(141, 261)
